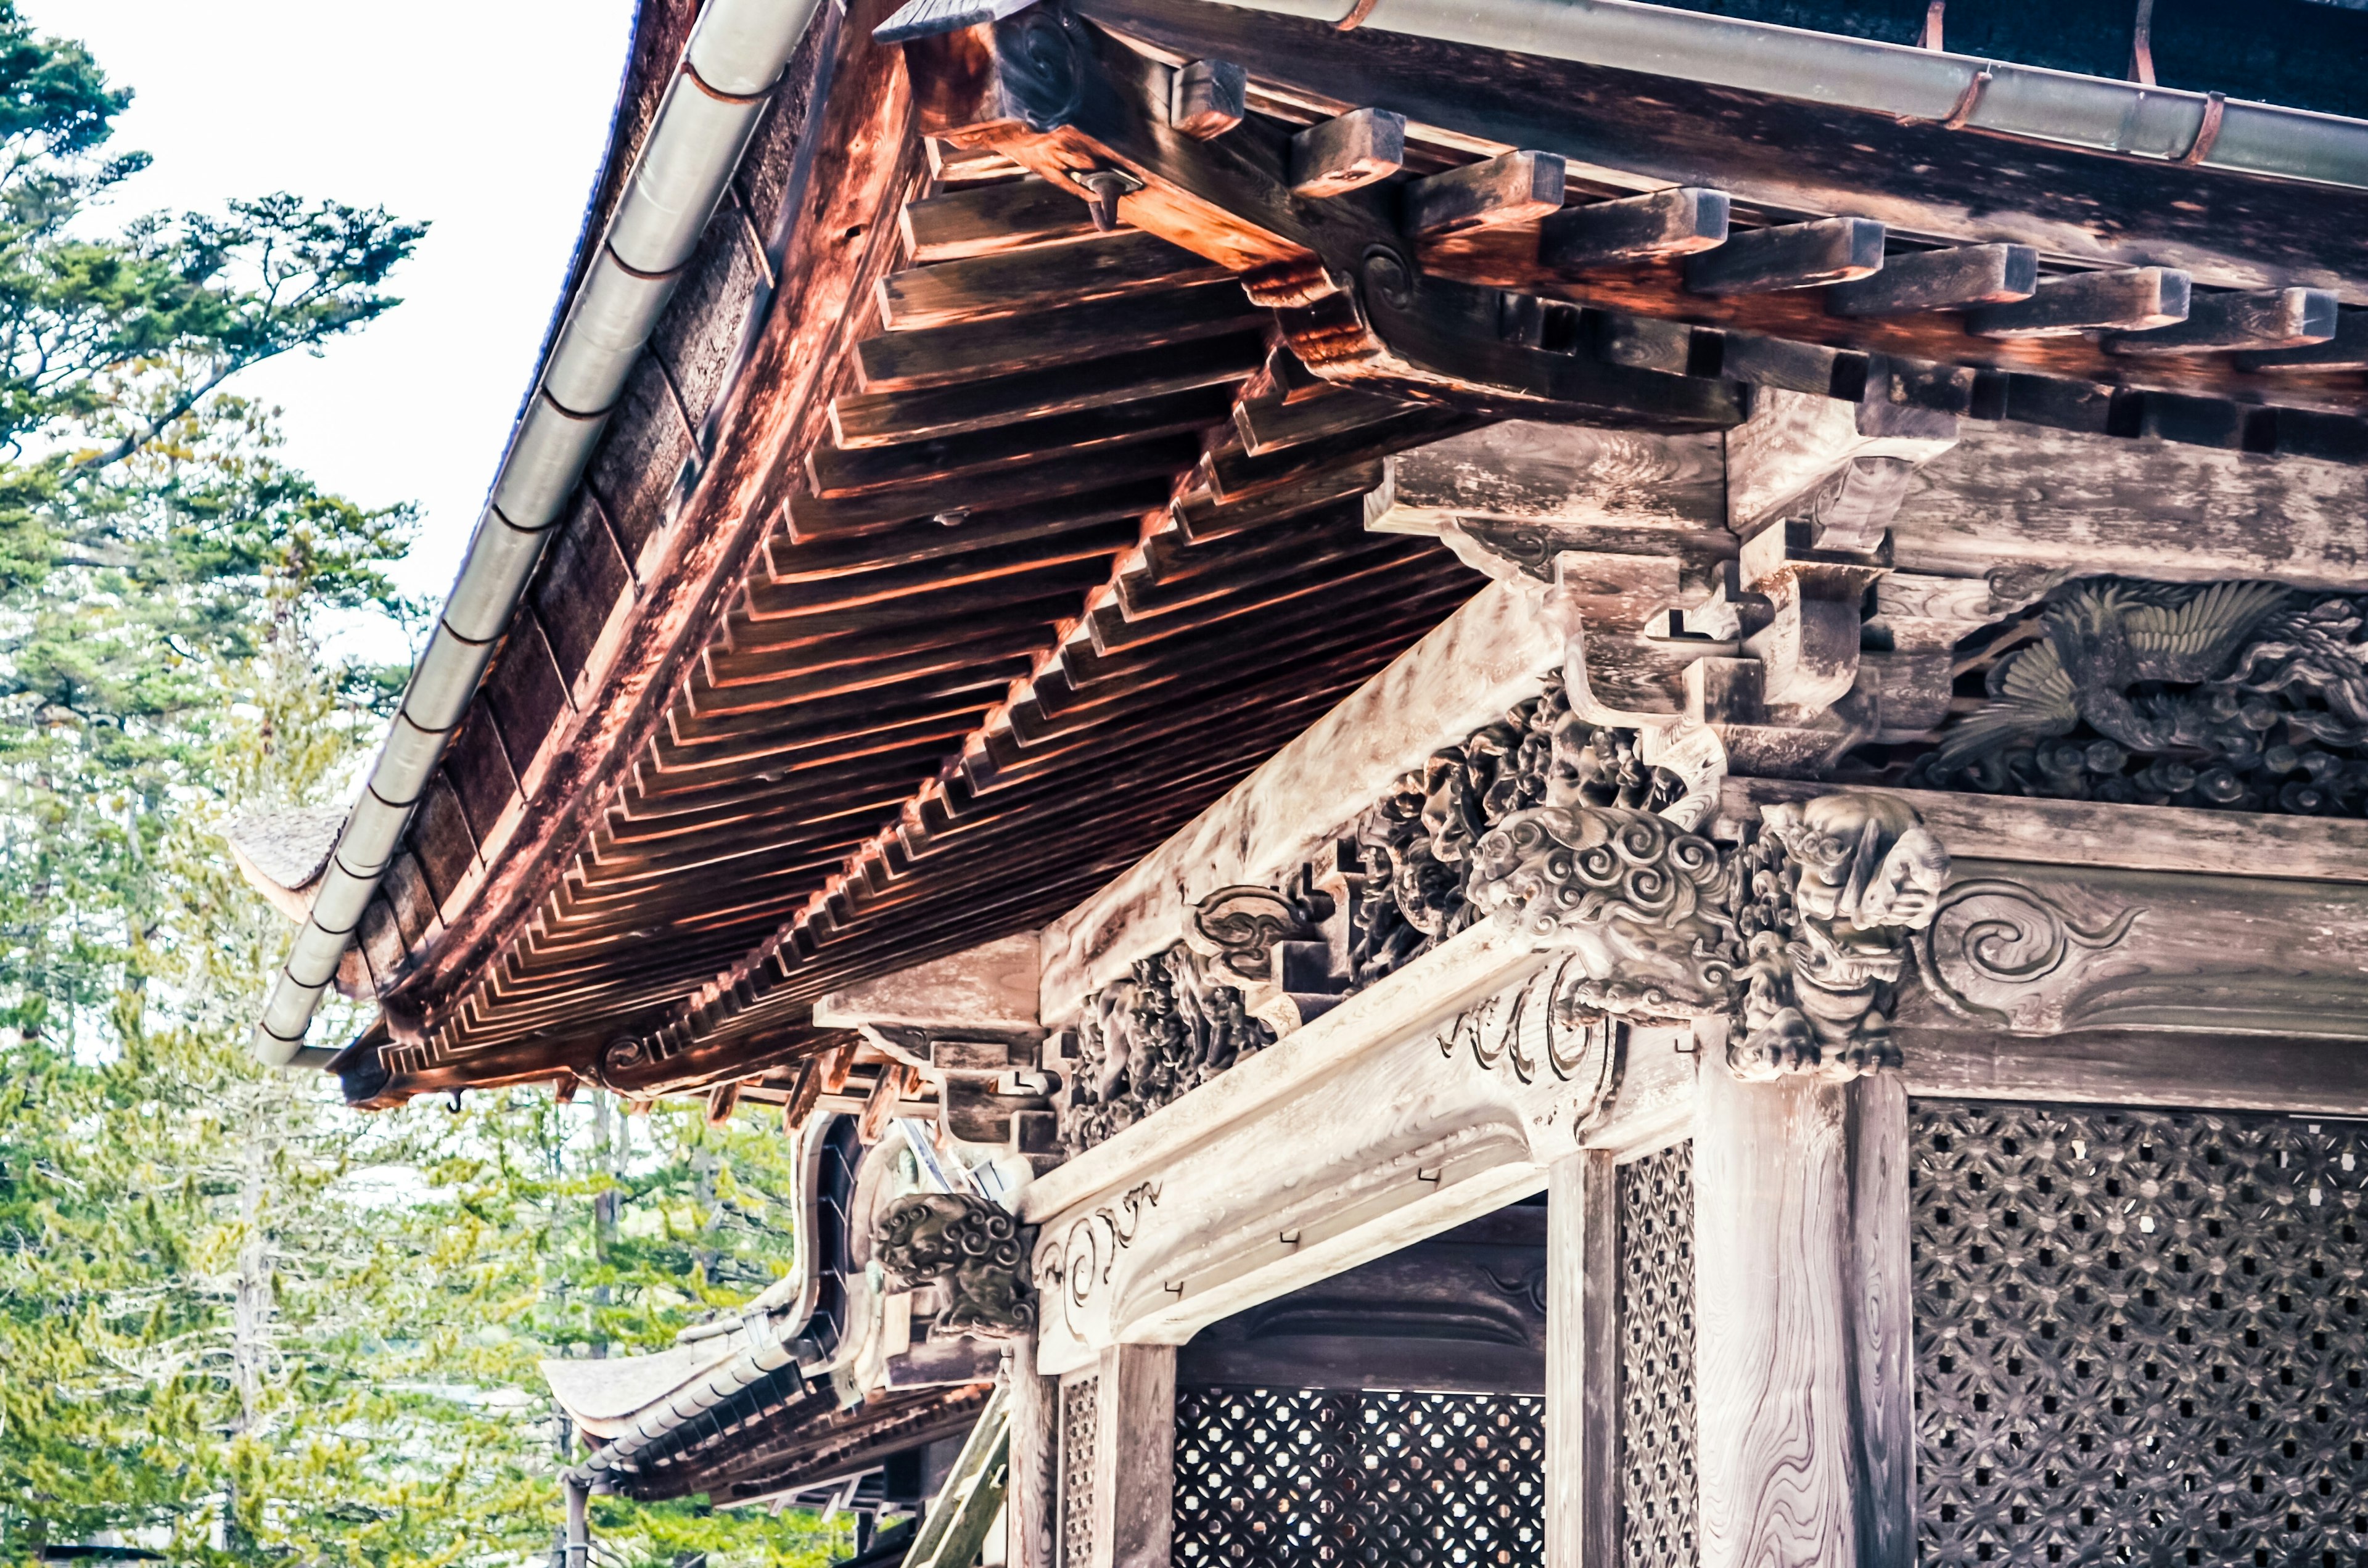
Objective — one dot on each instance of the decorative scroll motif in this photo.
(977, 1250)
(1080, 1417)
(1415, 846)
(1278, 1478)
(2238, 696)
(1996, 949)
(1657, 1439)
(1800, 937)
(1172, 1024)
(1237, 928)
(2139, 1336)
(1532, 1031)
(1090, 1250)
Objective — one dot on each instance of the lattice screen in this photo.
(1294, 1478)
(1657, 1359)
(1079, 1420)
(2139, 1337)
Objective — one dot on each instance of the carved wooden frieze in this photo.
(2047, 950)
(1798, 937)
(1172, 1024)
(2243, 696)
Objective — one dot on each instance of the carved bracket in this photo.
(977, 1252)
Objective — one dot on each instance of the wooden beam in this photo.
(1582, 1462)
(1519, 188)
(2135, 298)
(1950, 279)
(1637, 228)
(2347, 350)
(1349, 150)
(1035, 1463)
(1129, 262)
(1208, 99)
(898, 361)
(2296, 1075)
(885, 418)
(2093, 833)
(1793, 255)
(2271, 319)
(990, 219)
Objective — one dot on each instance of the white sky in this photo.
(484, 118)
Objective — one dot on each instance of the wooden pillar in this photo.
(1035, 1457)
(1134, 1457)
(1803, 1398)
(1582, 1504)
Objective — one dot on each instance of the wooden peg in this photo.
(1794, 256)
(721, 1101)
(1953, 280)
(2133, 298)
(1339, 155)
(1634, 228)
(1210, 98)
(1519, 188)
(2267, 319)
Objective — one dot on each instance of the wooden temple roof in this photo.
(946, 552)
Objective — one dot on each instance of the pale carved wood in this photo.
(1802, 1396)
(1406, 1109)
(1582, 1470)
(2089, 833)
(1035, 1462)
(1135, 1456)
(2130, 1067)
(1480, 660)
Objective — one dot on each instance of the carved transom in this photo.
(2140, 1337)
(1281, 1477)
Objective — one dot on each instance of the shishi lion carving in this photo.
(978, 1250)
(1800, 936)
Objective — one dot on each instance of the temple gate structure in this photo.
(1547, 782)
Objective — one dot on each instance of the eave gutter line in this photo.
(2094, 113)
(734, 58)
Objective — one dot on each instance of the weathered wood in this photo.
(1017, 215)
(1375, 1125)
(1208, 99)
(1582, 1463)
(1775, 1391)
(2347, 350)
(835, 474)
(2133, 298)
(1567, 477)
(987, 987)
(2091, 833)
(1949, 279)
(1134, 1439)
(1035, 1463)
(1270, 427)
(1486, 656)
(2135, 1067)
(2018, 504)
(2275, 318)
(980, 287)
(1879, 1289)
(1791, 256)
(1678, 222)
(1795, 443)
(880, 419)
(897, 361)
(1518, 188)
(1346, 152)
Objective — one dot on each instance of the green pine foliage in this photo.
(239, 1322)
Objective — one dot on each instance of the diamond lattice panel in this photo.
(1294, 1478)
(1078, 1420)
(2139, 1337)
(1657, 1359)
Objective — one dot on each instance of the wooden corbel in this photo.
(1335, 257)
